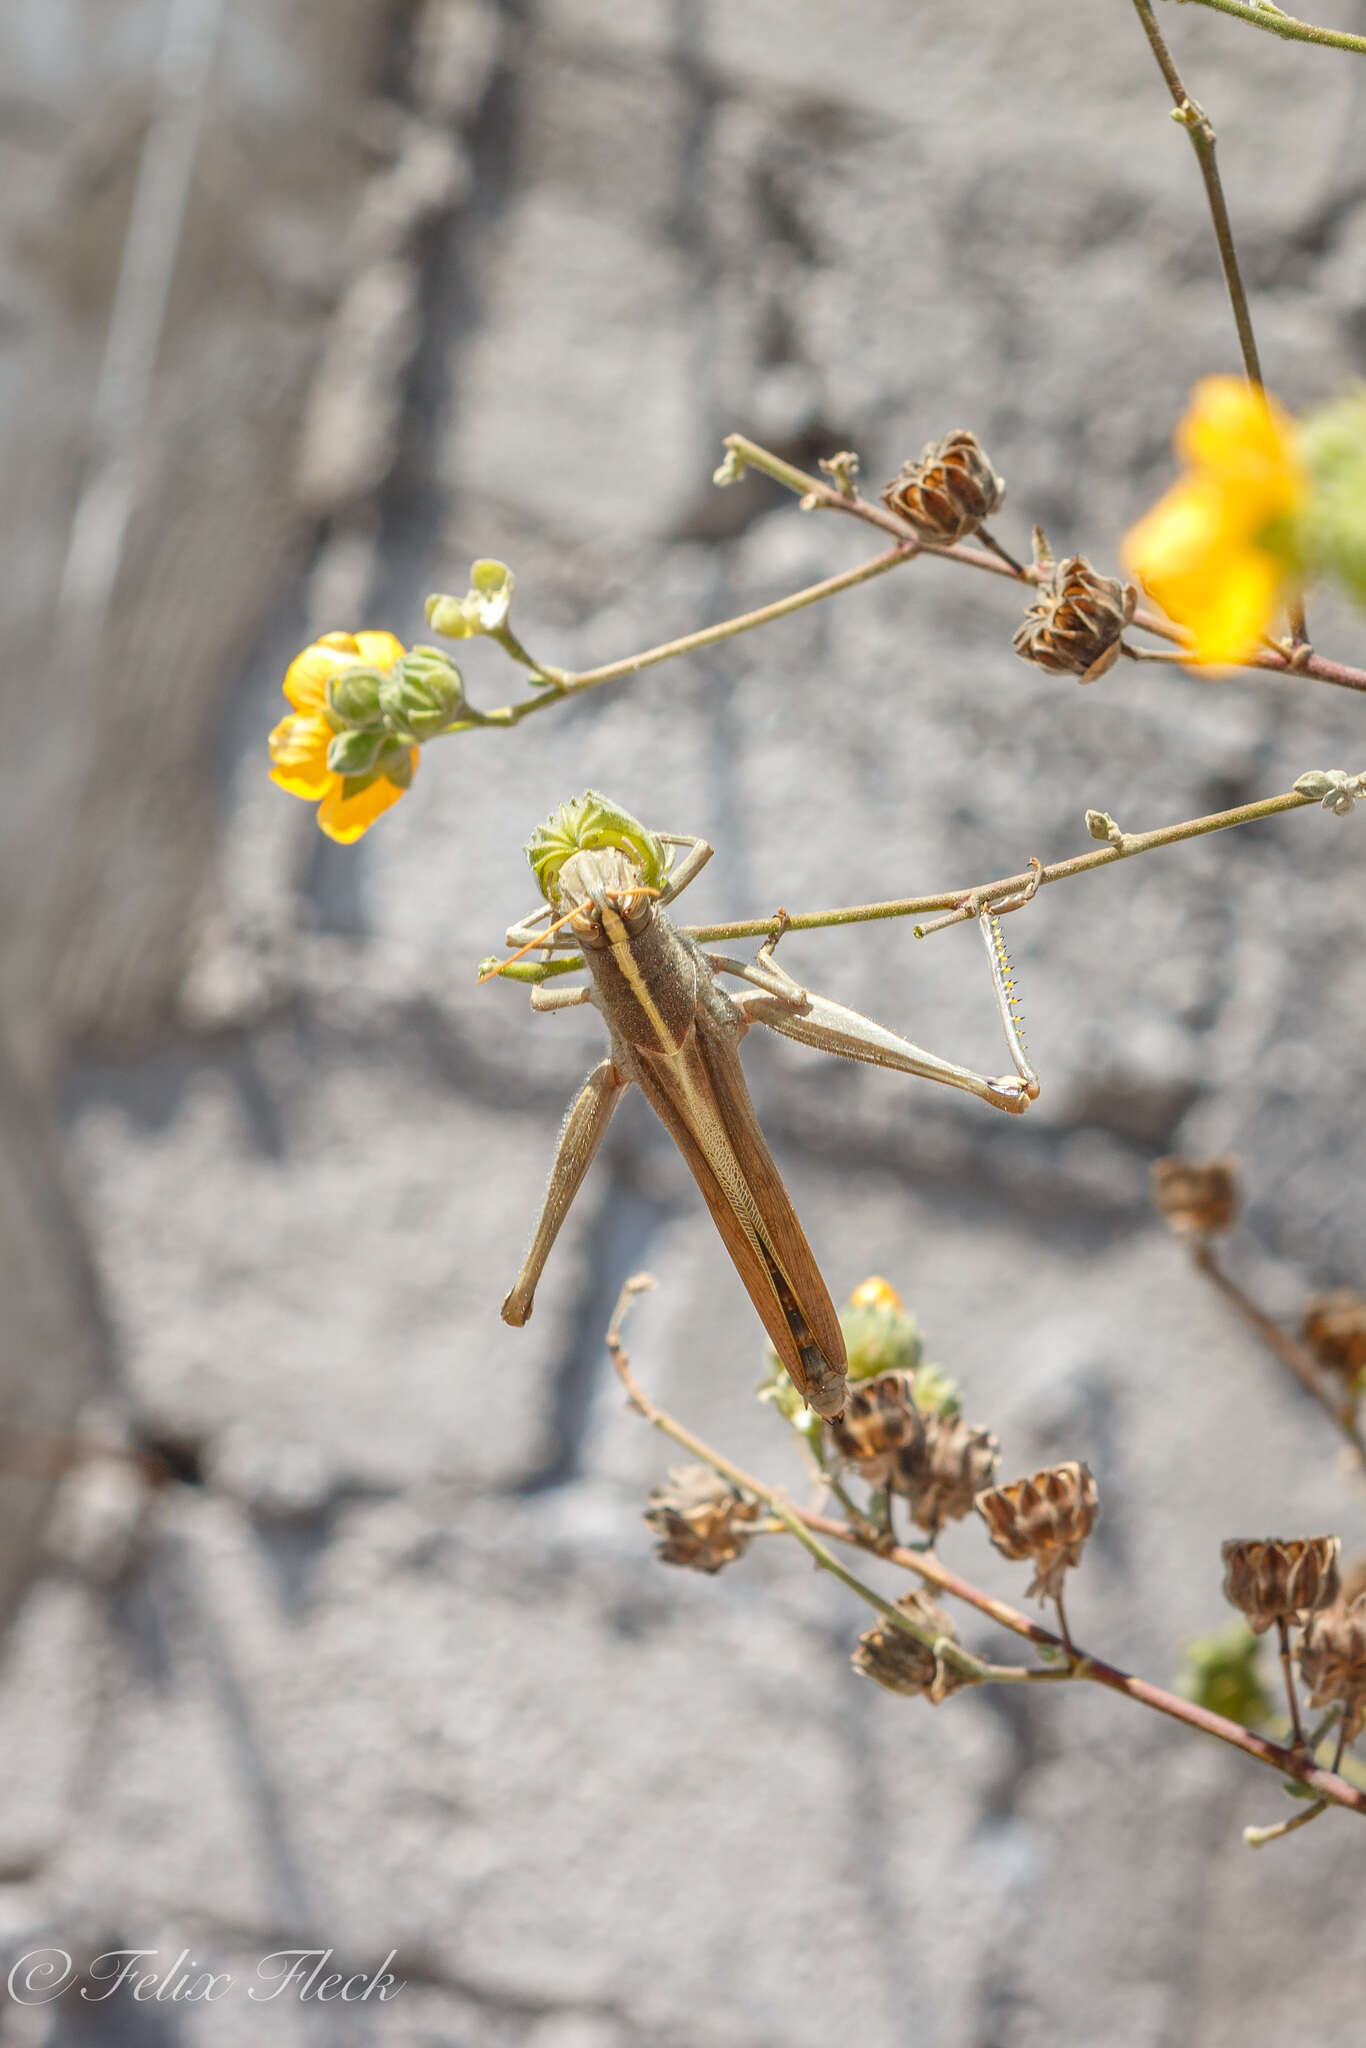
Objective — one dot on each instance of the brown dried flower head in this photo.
(1075, 623)
(1353, 1580)
(1198, 1197)
(880, 1419)
(949, 492)
(699, 1519)
(1047, 1517)
(892, 1657)
(1333, 1660)
(1335, 1330)
(942, 1475)
(1276, 1579)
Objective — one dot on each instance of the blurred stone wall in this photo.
(384, 1661)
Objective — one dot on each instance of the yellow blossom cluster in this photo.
(347, 804)
(1219, 551)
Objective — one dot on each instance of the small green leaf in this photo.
(354, 753)
(1319, 782)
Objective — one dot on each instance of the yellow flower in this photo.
(1218, 551)
(875, 1292)
(347, 804)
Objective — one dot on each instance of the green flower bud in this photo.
(491, 585)
(591, 820)
(484, 607)
(354, 753)
(779, 1389)
(395, 763)
(450, 617)
(422, 693)
(879, 1338)
(353, 698)
(934, 1393)
(1333, 445)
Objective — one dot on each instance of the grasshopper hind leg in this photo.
(583, 1132)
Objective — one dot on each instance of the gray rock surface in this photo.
(370, 1653)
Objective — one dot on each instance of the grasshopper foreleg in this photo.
(543, 999)
(691, 866)
(579, 1141)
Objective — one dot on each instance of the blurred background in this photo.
(302, 307)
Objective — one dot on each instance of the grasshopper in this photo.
(676, 1033)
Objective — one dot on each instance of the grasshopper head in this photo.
(590, 856)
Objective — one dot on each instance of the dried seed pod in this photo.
(880, 1420)
(699, 1517)
(1047, 1517)
(1333, 1660)
(1334, 1328)
(1074, 625)
(1198, 1197)
(943, 1473)
(892, 1657)
(1276, 1579)
(949, 492)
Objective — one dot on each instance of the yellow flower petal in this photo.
(1219, 585)
(875, 1292)
(307, 676)
(381, 650)
(1217, 552)
(344, 818)
(1236, 607)
(305, 682)
(1183, 534)
(1232, 426)
(298, 747)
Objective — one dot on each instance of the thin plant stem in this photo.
(966, 903)
(1287, 1672)
(1200, 129)
(959, 905)
(1341, 1742)
(1197, 125)
(1296, 657)
(1277, 24)
(559, 684)
(989, 541)
(1080, 1664)
(565, 683)
(1257, 1838)
(942, 1646)
(1292, 1355)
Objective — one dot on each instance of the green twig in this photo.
(958, 904)
(559, 684)
(1278, 24)
(565, 683)
(1200, 129)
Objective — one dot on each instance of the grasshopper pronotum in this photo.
(676, 1033)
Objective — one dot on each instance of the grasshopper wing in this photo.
(699, 1094)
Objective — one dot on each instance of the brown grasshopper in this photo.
(676, 1033)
